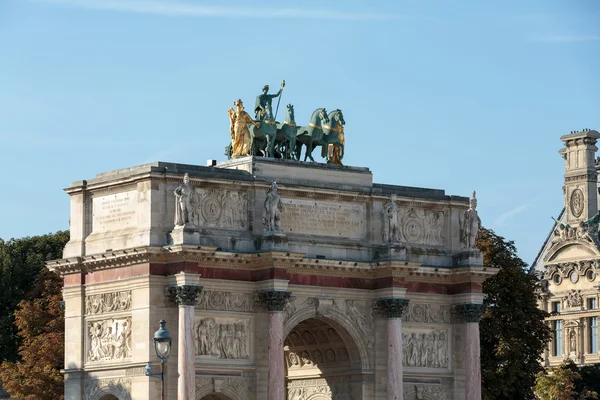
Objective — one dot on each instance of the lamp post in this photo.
(162, 347)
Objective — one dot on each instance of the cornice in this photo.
(293, 263)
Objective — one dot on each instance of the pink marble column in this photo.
(395, 370)
(393, 309)
(472, 363)
(275, 301)
(471, 314)
(276, 364)
(186, 299)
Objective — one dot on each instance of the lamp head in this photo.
(162, 341)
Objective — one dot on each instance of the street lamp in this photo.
(162, 347)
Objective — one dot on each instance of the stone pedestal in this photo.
(393, 309)
(468, 258)
(392, 251)
(471, 313)
(276, 301)
(185, 234)
(274, 241)
(186, 299)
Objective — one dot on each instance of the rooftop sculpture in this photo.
(265, 137)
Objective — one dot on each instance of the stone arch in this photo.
(207, 392)
(215, 396)
(107, 389)
(322, 362)
(349, 332)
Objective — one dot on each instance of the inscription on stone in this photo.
(327, 219)
(115, 211)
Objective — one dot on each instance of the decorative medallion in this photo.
(211, 209)
(413, 230)
(576, 203)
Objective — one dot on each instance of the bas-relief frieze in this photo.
(95, 389)
(426, 392)
(108, 302)
(412, 225)
(329, 388)
(428, 313)
(109, 339)
(214, 300)
(311, 217)
(222, 338)
(218, 208)
(425, 349)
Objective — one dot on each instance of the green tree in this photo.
(563, 383)
(40, 322)
(20, 262)
(512, 327)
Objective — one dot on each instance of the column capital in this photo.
(185, 295)
(392, 307)
(470, 312)
(275, 300)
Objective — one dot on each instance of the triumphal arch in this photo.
(278, 279)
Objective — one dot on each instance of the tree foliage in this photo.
(40, 323)
(565, 383)
(20, 261)
(513, 332)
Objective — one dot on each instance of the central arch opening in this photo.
(321, 362)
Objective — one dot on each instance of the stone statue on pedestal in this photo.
(272, 212)
(471, 223)
(390, 229)
(183, 203)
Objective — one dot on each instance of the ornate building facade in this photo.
(278, 280)
(569, 259)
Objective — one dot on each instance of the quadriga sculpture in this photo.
(312, 133)
(263, 136)
(333, 134)
(286, 135)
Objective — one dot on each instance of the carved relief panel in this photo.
(109, 339)
(330, 388)
(422, 226)
(227, 209)
(427, 349)
(223, 338)
(108, 302)
(412, 225)
(226, 301)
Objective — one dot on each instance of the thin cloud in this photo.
(502, 219)
(567, 38)
(180, 9)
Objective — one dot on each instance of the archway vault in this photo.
(321, 361)
(356, 344)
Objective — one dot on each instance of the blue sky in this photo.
(456, 95)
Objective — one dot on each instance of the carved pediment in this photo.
(570, 250)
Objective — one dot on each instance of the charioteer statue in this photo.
(264, 102)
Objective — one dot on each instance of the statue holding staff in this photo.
(264, 101)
